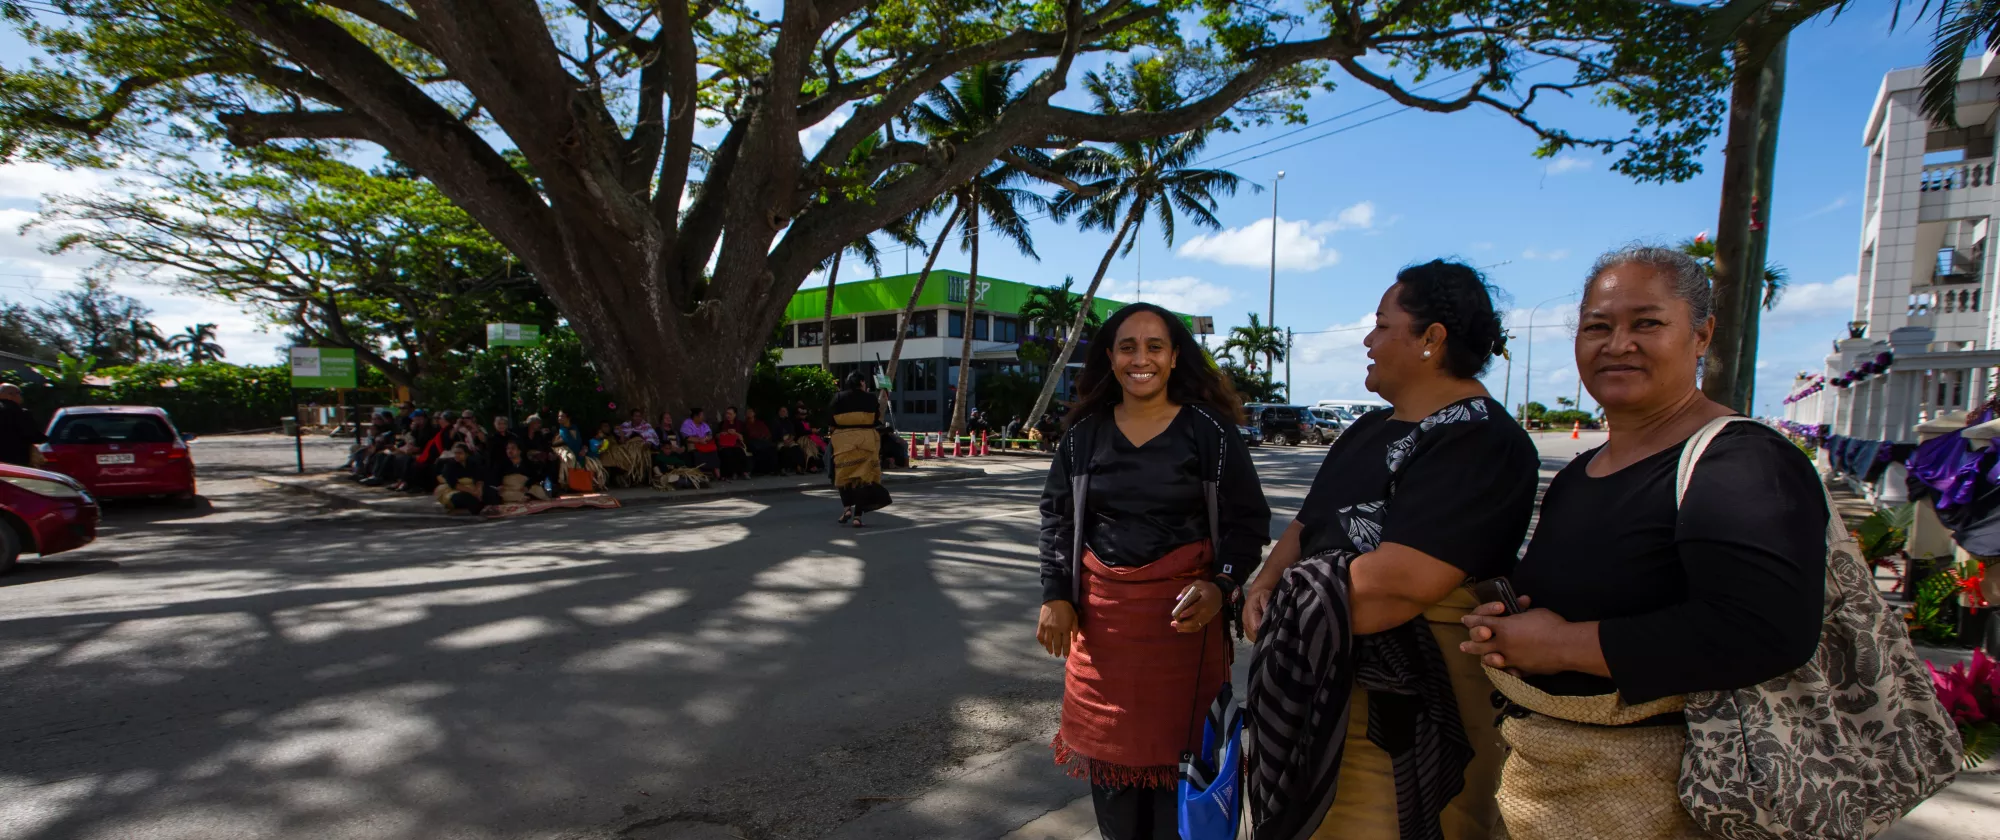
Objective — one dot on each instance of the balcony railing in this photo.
(1957, 175)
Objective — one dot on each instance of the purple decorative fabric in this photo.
(1950, 467)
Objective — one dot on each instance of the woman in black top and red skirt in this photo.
(1136, 609)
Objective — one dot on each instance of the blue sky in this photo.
(1356, 206)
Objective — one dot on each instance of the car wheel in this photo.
(184, 499)
(10, 548)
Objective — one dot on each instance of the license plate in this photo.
(114, 459)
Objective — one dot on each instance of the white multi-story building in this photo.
(1926, 291)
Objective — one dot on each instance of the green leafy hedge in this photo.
(202, 398)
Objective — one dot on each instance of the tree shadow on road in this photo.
(741, 662)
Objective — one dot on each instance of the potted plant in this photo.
(1971, 693)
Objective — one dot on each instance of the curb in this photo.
(310, 484)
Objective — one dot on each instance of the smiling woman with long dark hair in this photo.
(1151, 516)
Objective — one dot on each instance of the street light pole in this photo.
(1271, 305)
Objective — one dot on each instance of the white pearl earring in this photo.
(1427, 354)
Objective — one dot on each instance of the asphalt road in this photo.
(258, 667)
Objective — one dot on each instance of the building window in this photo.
(979, 331)
(919, 375)
(809, 334)
(957, 323)
(843, 331)
(920, 406)
(1006, 329)
(880, 327)
(923, 324)
(785, 338)
(1944, 256)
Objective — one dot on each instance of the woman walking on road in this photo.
(1151, 515)
(1357, 687)
(857, 451)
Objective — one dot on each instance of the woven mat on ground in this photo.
(532, 506)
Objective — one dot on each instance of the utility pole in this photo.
(1288, 365)
(1271, 306)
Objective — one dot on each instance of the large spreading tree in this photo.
(668, 204)
(376, 262)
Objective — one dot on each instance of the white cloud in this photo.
(812, 137)
(31, 181)
(1566, 163)
(1829, 207)
(1331, 362)
(1552, 256)
(1301, 246)
(1482, 246)
(1191, 295)
(1832, 297)
(1357, 216)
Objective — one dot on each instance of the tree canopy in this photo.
(667, 202)
(378, 262)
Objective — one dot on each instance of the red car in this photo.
(43, 513)
(121, 450)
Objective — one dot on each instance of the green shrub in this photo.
(1568, 417)
(202, 398)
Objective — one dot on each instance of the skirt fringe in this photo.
(1109, 775)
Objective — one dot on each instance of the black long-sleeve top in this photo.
(1146, 500)
(1724, 593)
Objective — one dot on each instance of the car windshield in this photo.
(111, 428)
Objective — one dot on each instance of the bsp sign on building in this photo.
(323, 367)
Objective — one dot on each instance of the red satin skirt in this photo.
(1132, 697)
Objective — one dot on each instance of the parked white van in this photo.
(1350, 410)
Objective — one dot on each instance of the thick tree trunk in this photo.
(1733, 271)
(1075, 336)
(1770, 106)
(965, 377)
(910, 308)
(826, 321)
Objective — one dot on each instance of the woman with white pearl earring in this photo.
(1411, 502)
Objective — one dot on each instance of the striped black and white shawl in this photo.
(1307, 664)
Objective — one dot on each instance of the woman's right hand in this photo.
(1255, 601)
(1057, 627)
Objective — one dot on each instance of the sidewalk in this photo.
(338, 489)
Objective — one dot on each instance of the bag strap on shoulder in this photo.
(1691, 453)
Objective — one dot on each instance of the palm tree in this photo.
(198, 342)
(1054, 308)
(1960, 25)
(1255, 339)
(1775, 276)
(902, 232)
(1123, 181)
(954, 114)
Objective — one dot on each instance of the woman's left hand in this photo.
(1537, 641)
(1207, 604)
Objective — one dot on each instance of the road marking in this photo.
(870, 533)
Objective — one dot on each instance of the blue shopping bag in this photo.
(1211, 787)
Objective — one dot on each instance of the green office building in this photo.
(863, 333)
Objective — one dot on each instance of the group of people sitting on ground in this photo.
(465, 464)
(1044, 433)
(695, 451)
(469, 466)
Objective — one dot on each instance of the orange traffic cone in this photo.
(1576, 430)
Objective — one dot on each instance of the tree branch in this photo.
(1043, 173)
(389, 18)
(251, 128)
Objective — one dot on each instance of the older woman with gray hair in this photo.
(1632, 598)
